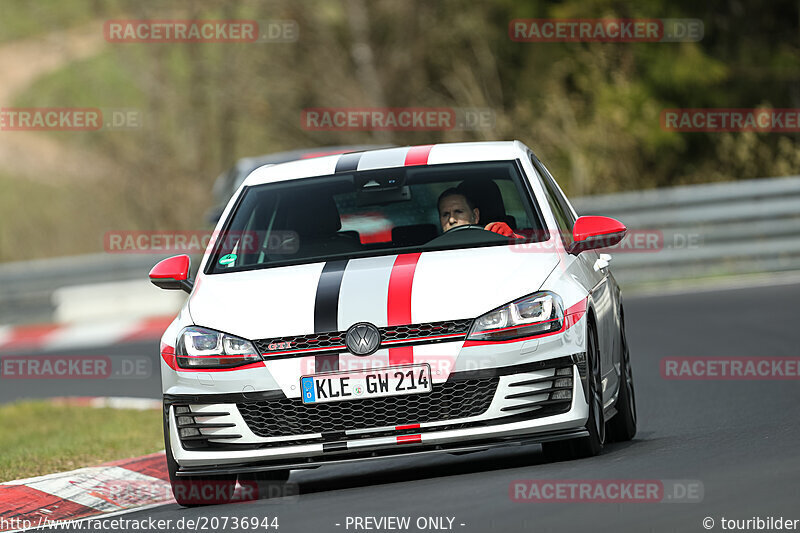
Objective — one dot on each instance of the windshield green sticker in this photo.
(227, 259)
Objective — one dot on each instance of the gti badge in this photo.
(362, 338)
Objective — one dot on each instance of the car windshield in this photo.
(372, 212)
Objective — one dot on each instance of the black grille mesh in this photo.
(447, 401)
(412, 331)
(335, 339)
(301, 342)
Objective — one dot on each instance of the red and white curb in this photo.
(87, 492)
(49, 337)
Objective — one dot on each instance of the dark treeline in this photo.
(591, 110)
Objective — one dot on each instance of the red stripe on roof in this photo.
(418, 155)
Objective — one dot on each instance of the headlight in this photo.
(205, 348)
(539, 313)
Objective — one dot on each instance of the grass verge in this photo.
(39, 220)
(42, 438)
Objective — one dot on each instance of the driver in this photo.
(456, 209)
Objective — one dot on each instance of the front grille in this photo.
(447, 401)
(334, 340)
(302, 342)
(431, 329)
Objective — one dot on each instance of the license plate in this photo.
(391, 381)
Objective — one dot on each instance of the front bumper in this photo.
(215, 436)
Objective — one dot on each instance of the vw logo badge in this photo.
(362, 339)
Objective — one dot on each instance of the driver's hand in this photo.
(503, 229)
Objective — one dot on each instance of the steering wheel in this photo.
(464, 227)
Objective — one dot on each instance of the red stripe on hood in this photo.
(399, 302)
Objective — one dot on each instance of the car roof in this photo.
(436, 154)
(247, 164)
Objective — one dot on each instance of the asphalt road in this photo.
(737, 439)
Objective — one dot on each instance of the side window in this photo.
(558, 204)
(513, 204)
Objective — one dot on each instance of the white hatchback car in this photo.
(475, 313)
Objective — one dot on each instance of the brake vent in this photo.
(191, 430)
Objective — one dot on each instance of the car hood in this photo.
(386, 290)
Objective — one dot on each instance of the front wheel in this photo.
(595, 422)
(623, 426)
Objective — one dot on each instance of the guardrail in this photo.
(708, 230)
(29, 290)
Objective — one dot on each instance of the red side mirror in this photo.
(172, 274)
(590, 233)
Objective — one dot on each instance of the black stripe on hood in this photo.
(326, 309)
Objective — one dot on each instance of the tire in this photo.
(265, 485)
(196, 491)
(595, 423)
(622, 427)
